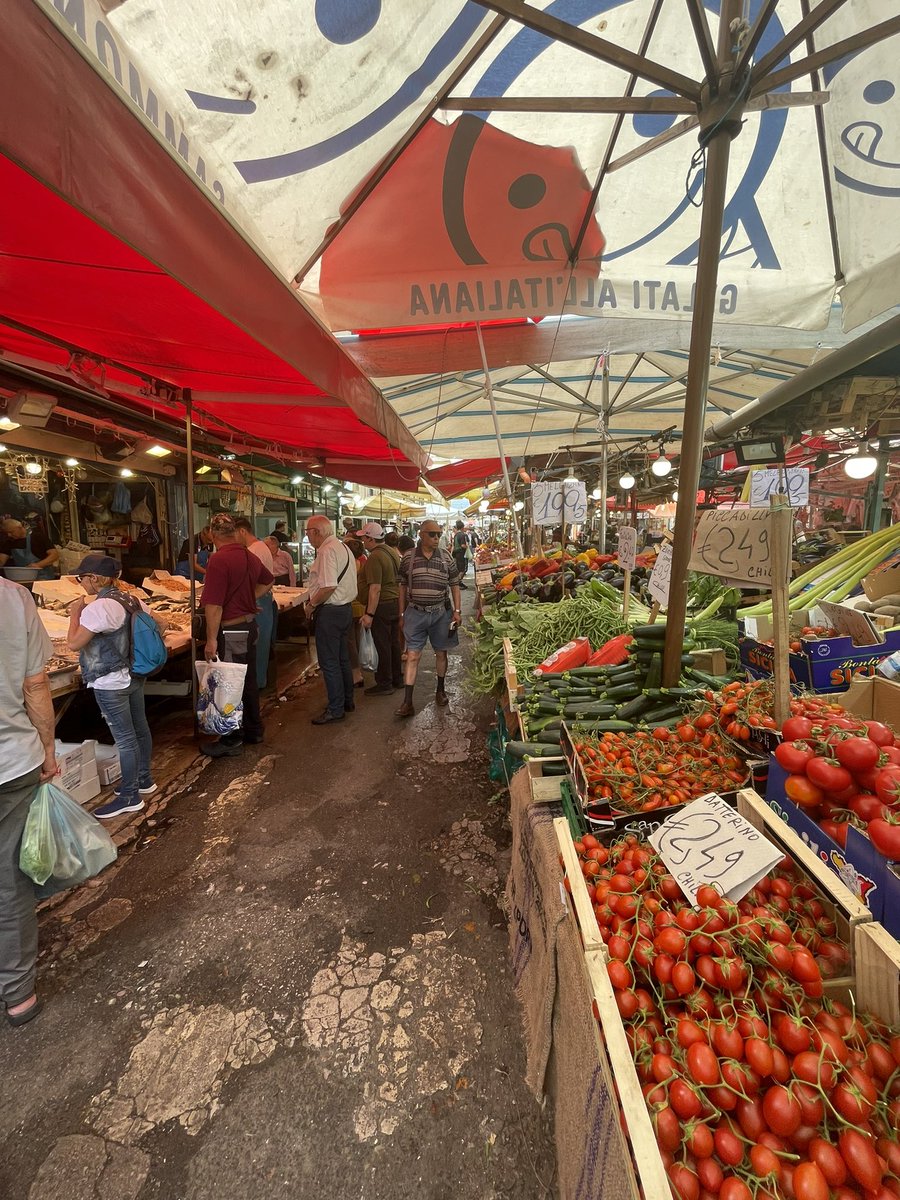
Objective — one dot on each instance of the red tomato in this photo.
(685, 1184)
(860, 1158)
(880, 734)
(735, 1189)
(828, 775)
(828, 1159)
(885, 837)
(699, 1140)
(887, 784)
(710, 1175)
(810, 1183)
(688, 1032)
(797, 729)
(782, 1111)
(765, 1163)
(668, 1128)
(729, 1146)
(759, 1056)
(702, 1064)
(684, 1100)
(792, 1033)
(857, 753)
(866, 806)
(793, 756)
(803, 791)
(750, 1117)
(728, 1041)
(670, 941)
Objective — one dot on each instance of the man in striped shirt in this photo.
(428, 579)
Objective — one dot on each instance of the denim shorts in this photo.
(433, 626)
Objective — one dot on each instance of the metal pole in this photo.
(488, 387)
(604, 452)
(714, 186)
(192, 575)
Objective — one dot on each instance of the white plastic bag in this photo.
(220, 708)
(368, 655)
(61, 841)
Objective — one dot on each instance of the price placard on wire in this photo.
(547, 503)
(628, 548)
(574, 501)
(658, 583)
(734, 544)
(709, 843)
(768, 482)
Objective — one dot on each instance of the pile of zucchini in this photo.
(606, 698)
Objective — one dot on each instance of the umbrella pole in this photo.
(489, 389)
(192, 574)
(604, 454)
(714, 186)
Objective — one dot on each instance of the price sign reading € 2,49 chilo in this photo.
(734, 544)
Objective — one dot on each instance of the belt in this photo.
(428, 607)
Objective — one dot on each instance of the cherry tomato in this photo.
(765, 1163)
(793, 1035)
(860, 1158)
(702, 1064)
(735, 1189)
(685, 1184)
(728, 1041)
(684, 1100)
(759, 1056)
(810, 1183)
(729, 1146)
(668, 1128)
(782, 1111)
(828, 1159)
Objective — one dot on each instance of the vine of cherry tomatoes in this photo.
(759, 1086)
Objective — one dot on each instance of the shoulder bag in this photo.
(314, 614)
(198, 624)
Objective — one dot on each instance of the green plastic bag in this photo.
(61, 841)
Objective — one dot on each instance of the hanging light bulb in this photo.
(596, 494)
(126, 473)
(626, 481)
(71, 462)
(661, 467)
(675, 497)
(862, 464)
(518, 506)
(33, 468)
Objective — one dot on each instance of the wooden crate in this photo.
(544, 788)
(877, 980)
(640, 1151)
(588, 930)
(510, 675)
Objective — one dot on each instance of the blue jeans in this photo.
(332, 623)
(265, 624)
(124, 714)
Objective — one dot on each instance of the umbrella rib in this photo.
(589, 43)
(631, 370)
(395, 152)
(830, 54)
(704, 39)
(753, 38)
(614, 136)
(572, 104)
(565, 387)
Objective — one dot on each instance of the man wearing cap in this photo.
(428, 578)
(380, 586)
(235, 579)
(332, 590)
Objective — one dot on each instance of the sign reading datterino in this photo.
(735, 543)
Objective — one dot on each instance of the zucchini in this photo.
(532, 750)
(555, 768)
(632, 708)
(654, 675)
(626, 691)
(654, 633)
(662, 713)
(548, 737)
(583, 672)
(676, 693)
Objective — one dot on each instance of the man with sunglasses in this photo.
(428, 579)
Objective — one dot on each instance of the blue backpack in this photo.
(148, 649)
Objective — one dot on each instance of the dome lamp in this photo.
(862, 464)
(661, 467)
(627, 481)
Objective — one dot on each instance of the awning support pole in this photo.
(192, 573)
(714, 186)
(604, 453)
(489, 390)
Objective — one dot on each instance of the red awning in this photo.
(456, 478)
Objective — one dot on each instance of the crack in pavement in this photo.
(80, 1167)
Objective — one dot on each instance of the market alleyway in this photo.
(295, 984)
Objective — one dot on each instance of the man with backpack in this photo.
(380, 592)
(118, 645)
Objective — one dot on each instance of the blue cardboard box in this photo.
(823, 664)
(890, 917)
(858, 865)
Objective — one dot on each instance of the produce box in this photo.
(545, 788)
(875, 699)
(87, 790)
(858, 865)
(108, 766)
(588, 929)
(885, 579)
(713, 662)
(823, 665)
(77, 763)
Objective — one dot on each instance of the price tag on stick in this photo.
(547, 503)
(658, 583)
(768, 482)
(709, 843)
(627, 548)
(735, 544)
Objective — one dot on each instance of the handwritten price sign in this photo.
(734, 544)
(792, 481)
(547, 503)
(658, 583)
(628, 548)
(574, 501)
(709, 843)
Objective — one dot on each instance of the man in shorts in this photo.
(429, 610)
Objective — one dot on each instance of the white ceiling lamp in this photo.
(126, 473)
(156, 451)
(203, 469)
(296, 481)
(518, 506)
(32, 408)
(627, 481)
(71, 462)
(596, 494)
(327, 487)
(33, 468)
(675, 497)
(3, 449)
(661, 467)
(862, 464)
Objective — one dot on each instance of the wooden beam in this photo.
(589, 43)
(704, 39)
(830, 54)
(661, 139)
(391, 157)
(573, 104)
(759, 28)
(823, 10)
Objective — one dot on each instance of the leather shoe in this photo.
(405, 710)
(326, 718)
(349, 708)
(380, 689)
(441, 699)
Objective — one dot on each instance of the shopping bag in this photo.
(368, 655)
(220, 684)
(61, 841)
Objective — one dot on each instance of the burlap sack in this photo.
(589, 1148)
(535, 910)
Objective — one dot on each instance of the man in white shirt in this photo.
(332, 590)
(266, 611)
(26, 759)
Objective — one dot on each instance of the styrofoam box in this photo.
(86, 790)
(76, 762)
(108, 766)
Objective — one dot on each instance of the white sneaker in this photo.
(148, 791)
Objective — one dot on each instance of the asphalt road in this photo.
(294, 982)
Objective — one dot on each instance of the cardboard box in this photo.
(108, 766)
(885, 579)
(890, 917)
(713, 662)
(858, 865)
(77, 763)
(823, 664)
(86, 790)
(874, 699)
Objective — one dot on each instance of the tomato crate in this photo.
(588, 930)
(546, 779)
(510, 675)
(876, 987)
(845, 909)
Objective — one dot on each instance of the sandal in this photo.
(26, 1015)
